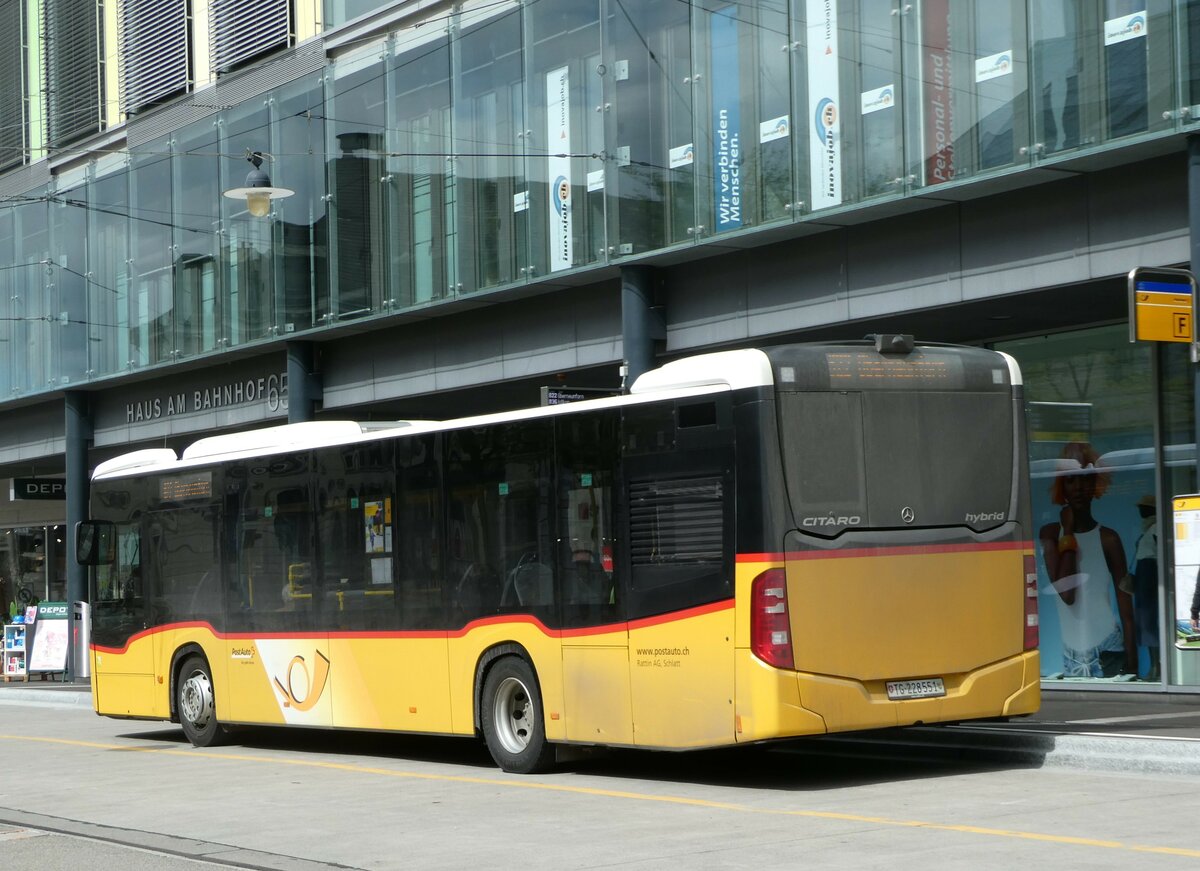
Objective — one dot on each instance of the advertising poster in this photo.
(938, 91)
(825, 147)
(558, 142)
(726, 120)
(377, 517)
(50, 638)
(1187, 572)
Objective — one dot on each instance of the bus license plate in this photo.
(916, 689)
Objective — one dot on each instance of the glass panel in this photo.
(32, 306)
(875, 129)
(563, 46)
(340, 11)
(185, 582)
(1189, 29)
(247, 306)
(68, 279)
(197, 222)
(151, 299)
(9, 325)
(1000, 78)
(1179, 478)
(356, 142)
(489, 122)
(108, 288)
(1091, 447)
(1099, 72)
(301, 262)
(420, 193)
(653, 204)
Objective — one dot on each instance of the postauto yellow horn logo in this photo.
(300, 689)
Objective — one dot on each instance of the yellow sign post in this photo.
(1162, 306)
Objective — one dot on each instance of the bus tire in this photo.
(196, 704)
(512, 718)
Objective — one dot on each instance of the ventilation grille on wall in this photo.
(155, 51)
(241, 30)
(12, 85)
(72, 35)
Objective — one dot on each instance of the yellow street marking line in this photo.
(635, 796)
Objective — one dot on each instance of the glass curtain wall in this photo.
(30, 307)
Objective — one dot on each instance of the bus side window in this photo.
(355, 504)
(418, 530)
(272, 585)
(586, 457)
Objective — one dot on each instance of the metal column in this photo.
(641, 322)
(77, 432)
(304, 385)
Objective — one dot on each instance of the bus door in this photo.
(595, 640)
(184, 591)
(123, 656)
(678, 523)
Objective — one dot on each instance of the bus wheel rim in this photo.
(196, 700)
(514, 715)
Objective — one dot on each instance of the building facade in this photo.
(491, 196)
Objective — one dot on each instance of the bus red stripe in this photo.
(887, 550)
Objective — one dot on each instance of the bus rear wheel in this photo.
(511, 717)
(196, 705)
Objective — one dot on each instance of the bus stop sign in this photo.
(1161, 305)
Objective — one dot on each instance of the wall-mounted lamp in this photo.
(258, 191)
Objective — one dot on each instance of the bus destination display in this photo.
(178, 489)
(865, 368)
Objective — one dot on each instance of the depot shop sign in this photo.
(37, 489)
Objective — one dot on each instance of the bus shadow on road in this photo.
(802, 764)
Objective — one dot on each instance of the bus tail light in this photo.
(770, 626)
(1031, 602)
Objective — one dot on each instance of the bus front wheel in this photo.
(196, 705)
(511, 717)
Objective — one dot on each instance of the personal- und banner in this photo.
(558, 143)
(825, 152)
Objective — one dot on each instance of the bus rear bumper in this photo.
(771, 703)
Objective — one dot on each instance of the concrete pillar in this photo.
(641, 322)
(304, 385)
(78, 437)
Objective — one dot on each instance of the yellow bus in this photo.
(749, 545)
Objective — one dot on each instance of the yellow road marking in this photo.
(623, 794)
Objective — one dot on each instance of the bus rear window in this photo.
(897, 459)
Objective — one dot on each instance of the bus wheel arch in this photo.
(194, 700)
(510, 712)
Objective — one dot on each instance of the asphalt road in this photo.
(77, 791)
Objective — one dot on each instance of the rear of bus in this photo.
(904, 587)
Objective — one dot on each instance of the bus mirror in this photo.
(93, 542)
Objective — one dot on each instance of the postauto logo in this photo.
(825, 117)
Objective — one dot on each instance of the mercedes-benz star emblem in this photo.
(907, 514)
